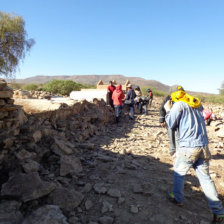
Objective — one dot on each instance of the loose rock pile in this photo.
(11, 117)
(40, 155)
(25, 94)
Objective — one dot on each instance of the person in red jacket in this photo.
(110, 90)
(208, 116)
(117, 98)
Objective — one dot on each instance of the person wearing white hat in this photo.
(130, 99)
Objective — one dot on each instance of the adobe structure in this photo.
(101, 85)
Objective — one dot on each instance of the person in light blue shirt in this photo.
(192, 152)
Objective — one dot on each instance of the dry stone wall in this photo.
(39, 156)
(24, 94)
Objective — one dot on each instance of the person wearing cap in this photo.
(150, 97)
(192, 151)
(130, 98)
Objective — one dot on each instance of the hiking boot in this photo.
(217, 219)
(172, 199)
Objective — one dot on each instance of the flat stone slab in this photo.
(26, 187)
(65, 199)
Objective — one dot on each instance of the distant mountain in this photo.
(93, 80)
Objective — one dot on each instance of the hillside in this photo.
(93, 79)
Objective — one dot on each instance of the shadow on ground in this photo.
(141, 180)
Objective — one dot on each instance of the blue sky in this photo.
(171, 41)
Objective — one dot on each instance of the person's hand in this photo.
(168, 106)
(163, 125)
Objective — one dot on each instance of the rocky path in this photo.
(128, 172)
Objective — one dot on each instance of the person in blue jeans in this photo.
(193, 152)
(131, 96)
(145, 103)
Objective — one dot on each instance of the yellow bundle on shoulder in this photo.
(181, 95)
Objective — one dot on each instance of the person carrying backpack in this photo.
(192, 151)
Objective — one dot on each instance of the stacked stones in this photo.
(6, 102)
(11, 116)
(24, 94)
(40, 159)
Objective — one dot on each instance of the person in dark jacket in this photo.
(138, 99)
(110, 90)
(130, 97)
(172, 133)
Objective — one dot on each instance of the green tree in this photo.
(63, 87)
(13, 43)
(31, 86)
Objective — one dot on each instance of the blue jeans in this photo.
(185, 159)
(140, 107)
(118, 109)
(146, 108)
(132, 111)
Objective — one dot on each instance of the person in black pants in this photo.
(130, 97)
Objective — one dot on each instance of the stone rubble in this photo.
(25, 94)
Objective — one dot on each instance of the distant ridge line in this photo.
(93, 80)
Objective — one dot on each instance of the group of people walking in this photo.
(133, 99)
(185, 120)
